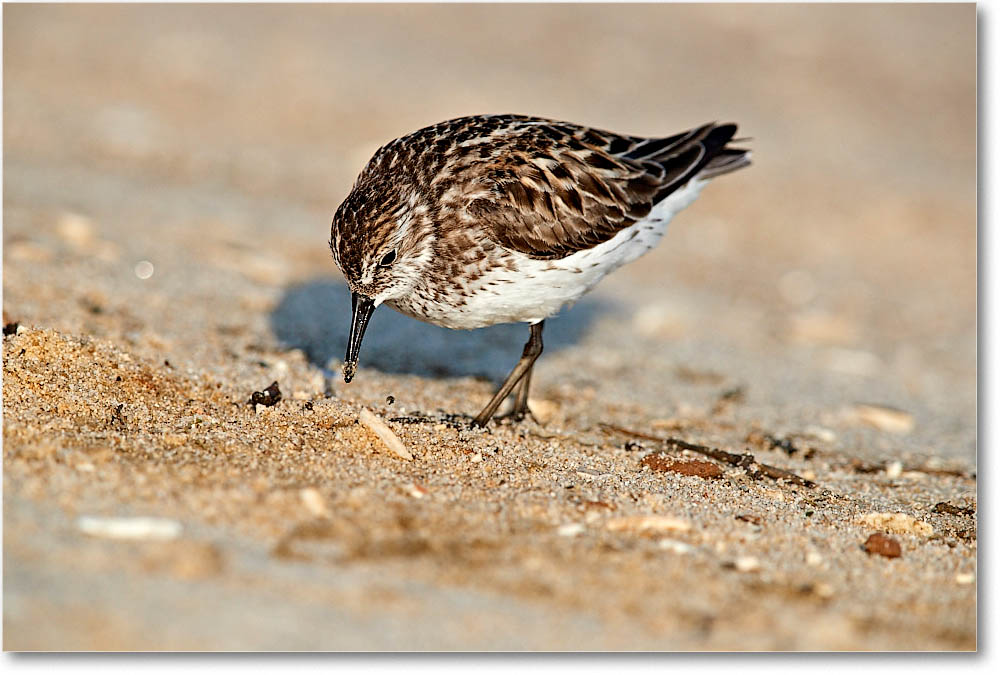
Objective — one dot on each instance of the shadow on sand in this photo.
(315, 317)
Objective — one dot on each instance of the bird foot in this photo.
(518, 415)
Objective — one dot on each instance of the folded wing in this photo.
(575, 187)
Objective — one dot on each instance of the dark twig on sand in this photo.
(453, 420)
(952, 510)
(746, 461)
(860, 466)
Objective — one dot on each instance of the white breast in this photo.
(540, 288)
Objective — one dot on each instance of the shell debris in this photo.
(416, 490)
(385, 434)
(884, 418)
(747, 564)
(571, 529)
(158, 529)
(675, 546)
(898, 523)
(651, 523)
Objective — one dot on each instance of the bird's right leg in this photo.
(532, 349)
(521, 409)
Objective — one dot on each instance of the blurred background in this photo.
(170, 173)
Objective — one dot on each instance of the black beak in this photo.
(363, 308)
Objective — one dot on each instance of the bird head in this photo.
(381, 241)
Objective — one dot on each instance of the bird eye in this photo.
(388, 259)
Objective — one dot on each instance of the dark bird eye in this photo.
(388, 259)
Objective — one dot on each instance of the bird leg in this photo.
(522, 371)
(521, 408)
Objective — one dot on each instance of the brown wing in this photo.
(586, 186)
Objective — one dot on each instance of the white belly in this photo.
(540, 288)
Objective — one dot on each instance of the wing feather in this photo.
(579, 187)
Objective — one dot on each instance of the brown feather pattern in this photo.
(534, 186)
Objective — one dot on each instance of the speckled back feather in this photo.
(540, 187)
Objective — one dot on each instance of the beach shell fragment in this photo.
(675, 546)
(899, 523)
(648, 524)
(385, 434)
(884, 418)
(150, 529)
(571, 529)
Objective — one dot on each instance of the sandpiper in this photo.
(507, 218)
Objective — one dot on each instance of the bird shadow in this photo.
(315, 317)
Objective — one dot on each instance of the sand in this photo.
(169, 177)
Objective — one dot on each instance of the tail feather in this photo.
(729, 160)
(701, 153)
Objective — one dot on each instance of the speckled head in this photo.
(381, 239)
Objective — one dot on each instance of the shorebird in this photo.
(507, 218)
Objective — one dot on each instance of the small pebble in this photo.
(814, 559)
(880, 544)
(674, 546)
(314, 502)
(894, 470)
(570, 529)
(965, 579)
(416, 491)
(747, 564)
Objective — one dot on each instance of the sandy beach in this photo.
(169, 177)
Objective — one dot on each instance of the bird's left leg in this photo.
(532, 349)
